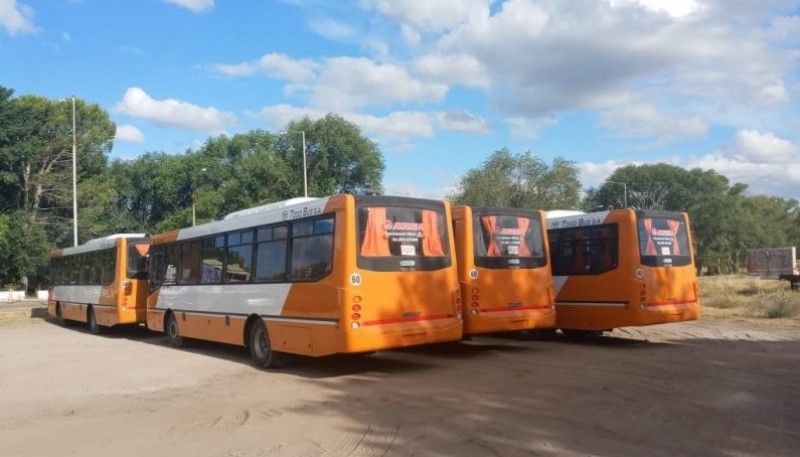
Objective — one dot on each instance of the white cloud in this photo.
(549, 57)
(430, 15)
(195, 6)
(400, 125)
(463, 121)
(636, 120)
(453, 69)
(674, 8)
(348, 83)
(278, 66)
(767, 164)
(176, 113)
(761, 148)
(16, 18)
(593, 174)
(332, 29)
(129, 133)
(522, 127)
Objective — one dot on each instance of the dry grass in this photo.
(748, 297)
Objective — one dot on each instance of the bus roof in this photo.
(269, 207)
(118, 235)
(97, 244)
(562, 213)
(266, 214)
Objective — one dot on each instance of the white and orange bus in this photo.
(340, 274)
(505, 278)
(621, 268)
(102, 283)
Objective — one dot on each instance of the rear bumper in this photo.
(397, 335)
(508, 321)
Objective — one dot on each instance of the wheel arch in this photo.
(248, 325)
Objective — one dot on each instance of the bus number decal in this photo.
(473, 274)
(355, 279)
(639, 273)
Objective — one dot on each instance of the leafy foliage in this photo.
(520, 181)
(23, 247)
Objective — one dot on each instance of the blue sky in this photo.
(438, 84)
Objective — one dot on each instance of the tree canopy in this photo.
(520, 181)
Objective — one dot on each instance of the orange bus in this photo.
(314, 277)
(621, 268)
(102, 283)
(503, 270)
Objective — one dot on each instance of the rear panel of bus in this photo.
(606, 278)
(401, 284)
(506, 282)
(112, 281)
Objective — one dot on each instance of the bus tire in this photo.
(173, 331)
(60, 317)
(260, 350)
(91, 321)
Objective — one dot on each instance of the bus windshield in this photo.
(663, 241)
(137, 259)
(400, 238)
(508, 241)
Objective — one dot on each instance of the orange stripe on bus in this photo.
(397, 320)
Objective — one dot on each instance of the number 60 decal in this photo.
(355, 279)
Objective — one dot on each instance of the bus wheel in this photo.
(60, 317)
(91, 319)
(173, 332)
(260, 351)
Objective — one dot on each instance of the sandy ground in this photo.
(707, 388)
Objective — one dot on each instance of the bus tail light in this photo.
(356, 316)
(642, 295)
(356, 308)
(355, 325)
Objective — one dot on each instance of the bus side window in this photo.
(270, 262)
(213, 255)
(312, 255)
(156, 267)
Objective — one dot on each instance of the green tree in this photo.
(23, 247)
(339, 158)
(520, 181)
(36, 155)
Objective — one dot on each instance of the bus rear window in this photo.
(137, 260)
(393, 238)
(507, 241)
(663, 241)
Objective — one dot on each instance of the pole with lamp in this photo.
(74, 175)
(624, 191)
(305, 167)
(202, 170)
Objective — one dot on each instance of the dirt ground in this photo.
(707, 388)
